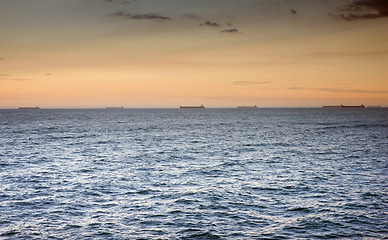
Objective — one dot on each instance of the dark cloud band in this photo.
(232, 30)
(364, 9)
(150, 16)
(210, 24)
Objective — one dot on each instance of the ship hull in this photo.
(29, 108)
(192, 107)
(344, 106)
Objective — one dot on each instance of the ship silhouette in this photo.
(24, 108)
(345, 106)
(200, 106)
(249, 107)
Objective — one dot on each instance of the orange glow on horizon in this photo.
(295, 60)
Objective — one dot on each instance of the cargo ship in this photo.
(200, 106)
(29, 108)
(247, 107)
(344, 106)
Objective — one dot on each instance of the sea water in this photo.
(194, 174)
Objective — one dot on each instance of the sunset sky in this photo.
(166, 53)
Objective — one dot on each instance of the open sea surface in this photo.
(194, 174)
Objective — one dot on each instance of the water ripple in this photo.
(209, 174)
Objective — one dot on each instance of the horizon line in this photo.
(123, 108)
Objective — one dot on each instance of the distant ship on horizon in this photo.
(200, 106)
(345, 106)
(249, 107)
(24, 108)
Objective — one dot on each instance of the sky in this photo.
(167, 53)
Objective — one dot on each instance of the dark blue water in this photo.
(194, 174)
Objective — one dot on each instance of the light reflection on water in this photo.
(193, 174)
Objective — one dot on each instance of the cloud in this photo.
(1, 59)
(293, 11)
(210, 24)
(232, 30)
(9, 77)
(341, 90)
(151, 16)
(364, 9)
(244, 83)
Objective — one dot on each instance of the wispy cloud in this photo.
(150, 16)
(9, 77)
(210, 24)
(341, 90)
(242, 83)
(293, 11)
(364, 9)
(232, 30)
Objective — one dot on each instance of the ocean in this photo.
(194, 174)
